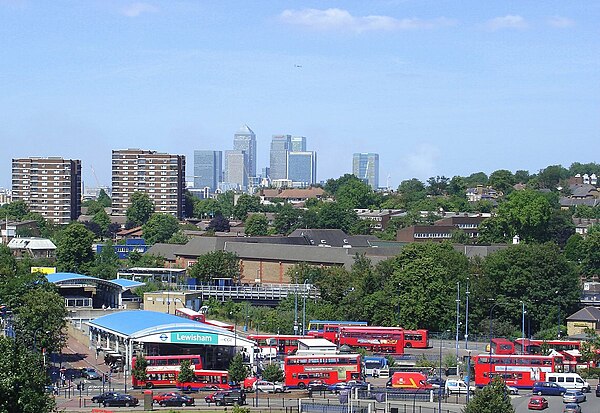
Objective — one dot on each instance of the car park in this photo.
(120, 400)
(268, 387)
(537, 403)
(573, 396)
(101, 397)
(178, 400)
(572, 408)
(546, 388)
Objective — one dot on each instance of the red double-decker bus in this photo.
(316, 328)
(331, 368)
(277, 344)
(516, 370)
(529, 346)
(377, 340)
(190, 314)
(416, 338)
(501, 346)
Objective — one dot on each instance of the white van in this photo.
(458, 386)
(570, 381)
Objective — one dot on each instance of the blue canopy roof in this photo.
(125, 283)
(121, 283)
(66, 276)
(134, 322)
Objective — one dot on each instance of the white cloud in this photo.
(509, 21)
(561, 22)
(339, 19)
(135, 9)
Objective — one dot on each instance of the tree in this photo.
(103, 220)
(477, 178)
(332, 185)
(256, 225)
(207, 208)
(23, 384)
(437, 185)
(8, 263)
(103, 199)
(334, 216)
(218, 224)
(17, 210)
(138, 370)
(186, 373)
(551, 176)
(273, 373)
(140, 210)
(188, 204)
(178, 238)
(590, 251)
(502, 180)
(287, 219)
(41, 320)
(221, 264)
(493, 398)
(537, 274)
(411, 191)
(245, 204)
(159, 228)
(106, 262)
(74, 248)
(237, 371)
(355, 194)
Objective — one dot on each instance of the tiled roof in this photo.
(586, 314)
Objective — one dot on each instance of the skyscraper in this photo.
(245, 140)
(302, 168)
(49, 186)
(160, 175)
(298, 144)
(236, 163)
(365, 166)
(280, 145)
(208, 169)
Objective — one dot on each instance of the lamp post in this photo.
(234, 332)
(467, 317)
(296, 310)
(558, 305)
(468, 375)
(440, 390)
(304, 308)
(457, 317)
(522, 325)
(491, 332)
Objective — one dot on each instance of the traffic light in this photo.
(79, 386)
(82, 386)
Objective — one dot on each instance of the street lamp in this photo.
(468, 375)
(440, 372)
(304, 309)
(234, 332)
(522, 325)
(467, 317)
(491, 333)
(558, 305)
(457, 316)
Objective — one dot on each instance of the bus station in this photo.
(150, 333)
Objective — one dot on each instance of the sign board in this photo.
(44, 270)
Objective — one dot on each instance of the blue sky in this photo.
(436, 87)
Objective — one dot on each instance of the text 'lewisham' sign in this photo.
(194, 338)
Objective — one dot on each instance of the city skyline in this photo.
(439, 88)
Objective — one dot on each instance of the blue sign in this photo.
(194, 338)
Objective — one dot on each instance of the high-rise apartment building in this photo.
(365, 166)
(245, 140)
(49, 186)
(298, 144)
(280, 146)
(236, 163)
(208, 169)
(302, 168)
(160, 175)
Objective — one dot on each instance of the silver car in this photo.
(573, 396)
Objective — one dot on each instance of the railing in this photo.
(256, 292)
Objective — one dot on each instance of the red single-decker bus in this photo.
(377, 340)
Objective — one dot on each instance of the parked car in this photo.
(572, 408)
(211, 397)
(458, 386)
(436, 382)
(268, 387)
(90, 374)
(101, 397)
(547, 388)
(598, 390)
(512, 389)
(317, 385)
(121, 400)
(178, 400)
(346, 385)
(230, 397)
(248, 383)
(537, 403)
(157, 398)
(573, 396)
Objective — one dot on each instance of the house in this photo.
(135, 232)
(32, 247)
(588, 317)
(481, 193)
(443, 228)
(582, 225)
(123, 250)
(292, 195)
(379, 217)
(13, 229)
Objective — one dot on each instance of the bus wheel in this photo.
(539, 393)
(408, 345)
(149, 385)
(301, 386)
(189, 388)
(183, 404)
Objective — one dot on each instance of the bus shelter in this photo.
(152, 333)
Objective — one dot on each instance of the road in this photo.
(556, 405)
